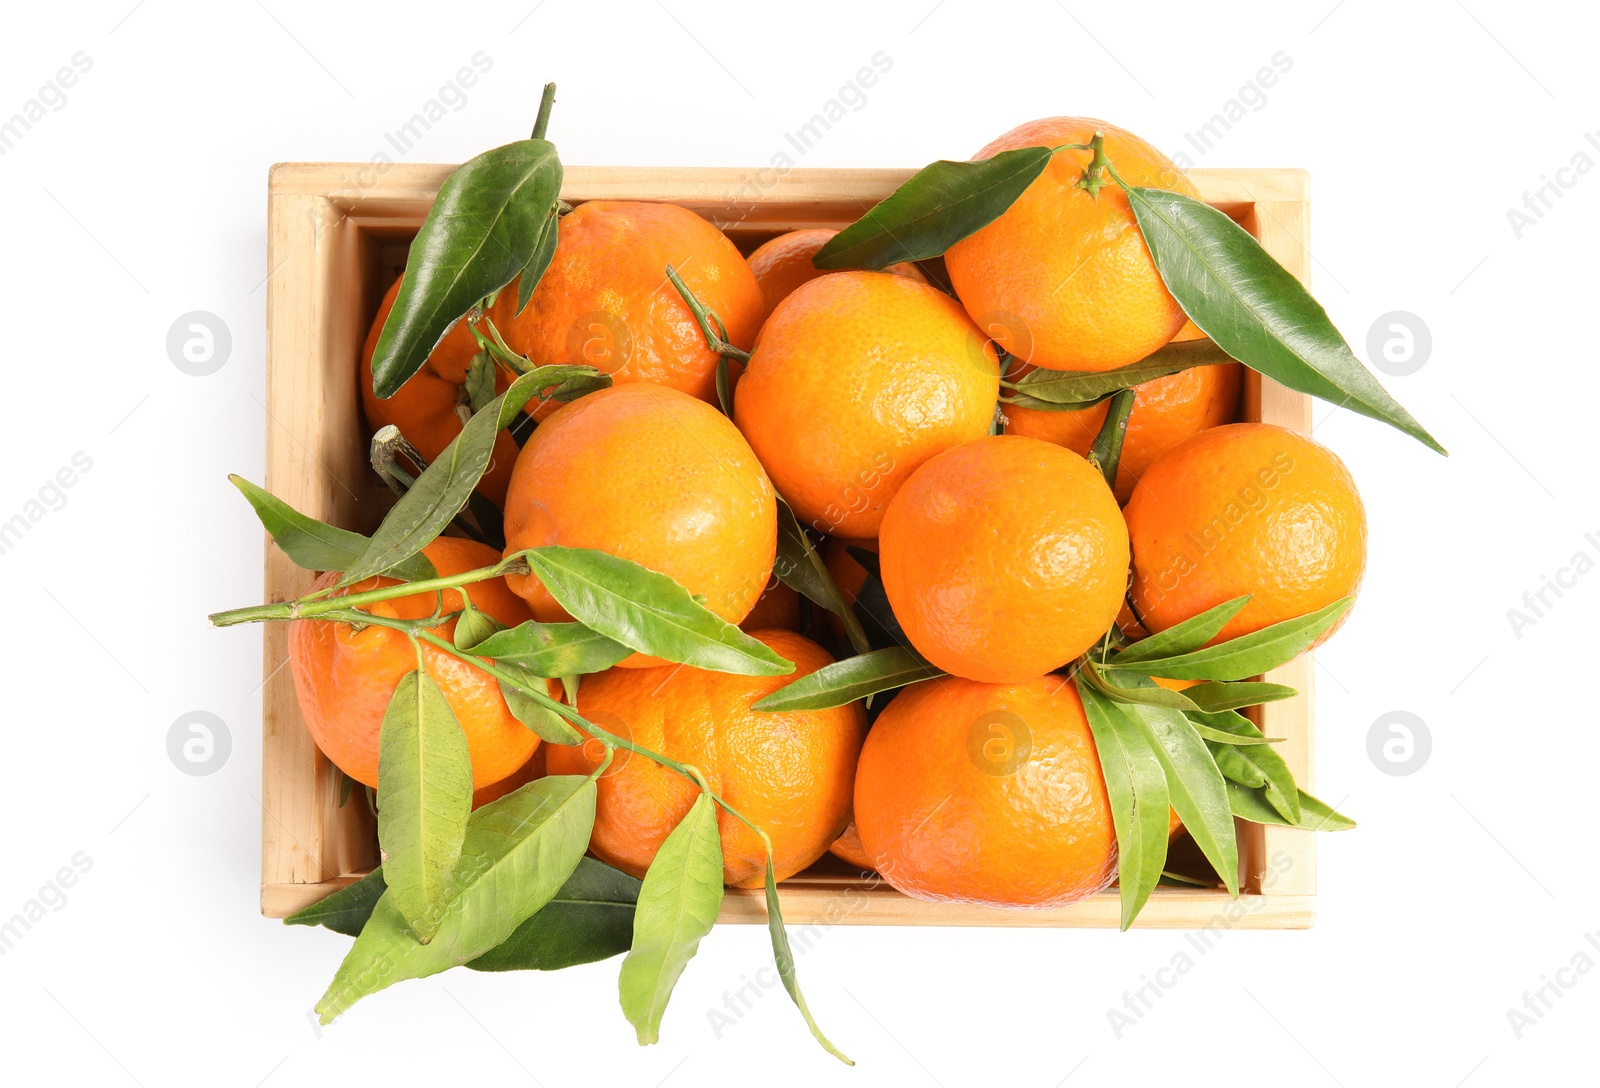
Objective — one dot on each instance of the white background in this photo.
(143, 198)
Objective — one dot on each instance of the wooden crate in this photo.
(337, 234)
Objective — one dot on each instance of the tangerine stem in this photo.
(307, 607)
(546, 100)
(704, 319)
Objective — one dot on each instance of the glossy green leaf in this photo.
(1185, 637)
(589, 919)
(678, 904)
(1105, 452)
(315, 545)
(1258, 766)
(783, 955)
(346, 910)
(1250, 804)
(799, 567)
(1253, 309)
(1197, 789)
(934, 209)
(424, 795)
(1075, 390)
(487, 225)
(1214, 695)
(445, 485)
(1246, 656)
(648, 612)
(518, 852)
(550, 649)
(851, 679)
(1136, 783)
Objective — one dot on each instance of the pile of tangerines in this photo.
(989, 539)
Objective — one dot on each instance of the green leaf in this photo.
(1215, 695)
(1198, 791)
(1140, 695)
(1075, 390)
(724, 387)
(589, 919)
(934, 209)
(481, 373)
(549, 649)
(473, 626)
(1249, 804)
(445, 486)
(533, 712)
(799, 567)
(648, 612)
(1246, 656)
(1105, 453)
(315, 545)
(1136, 783)
(1255, 310)
(784, 957)
(424, 796)
(487, 224)
(1257, 765)
(1208, 733)
(1185, 637)
(678, 904)
(518, 852)
(851, 679)
(544, 252)
(346, 910)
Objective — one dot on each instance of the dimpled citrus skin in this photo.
(1004, 558)
(783, 263)
(790, 772)
(654, 476)
(605, 301)
(1165, 412)
(424, 408)
(1063, 279)
(858, 378)
(1246, 508)
(948, 808)
(344, 678)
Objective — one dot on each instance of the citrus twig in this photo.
(715, 340)
(321, 604)
(546, 100)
